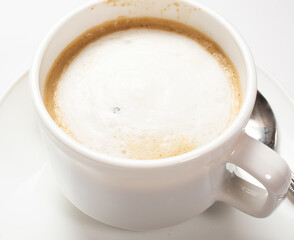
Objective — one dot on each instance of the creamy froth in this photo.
(145, 94)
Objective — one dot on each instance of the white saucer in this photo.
(31, 206)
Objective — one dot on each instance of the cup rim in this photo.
(237, 125)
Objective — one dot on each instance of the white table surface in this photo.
(267, 25)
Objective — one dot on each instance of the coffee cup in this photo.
(147, 194)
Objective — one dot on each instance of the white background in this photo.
(267, 25)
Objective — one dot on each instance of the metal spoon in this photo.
(263, 127)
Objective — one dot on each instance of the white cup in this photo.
(147, 194)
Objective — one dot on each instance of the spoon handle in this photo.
(291, 187)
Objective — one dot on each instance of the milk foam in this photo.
(144, 94)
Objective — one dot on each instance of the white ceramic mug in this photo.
(147, 194)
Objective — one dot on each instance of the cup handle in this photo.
(267, 167)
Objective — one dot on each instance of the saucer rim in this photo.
(24, 77)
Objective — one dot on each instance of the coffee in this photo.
(143, 88)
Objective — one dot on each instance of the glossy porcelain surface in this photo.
(147, 194)
(32, 206)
